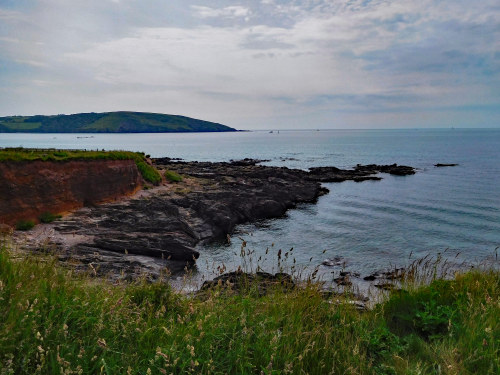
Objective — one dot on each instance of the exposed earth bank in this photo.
(30, 188)
(168, 221)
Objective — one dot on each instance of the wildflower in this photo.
(101, 343)
(159, 352)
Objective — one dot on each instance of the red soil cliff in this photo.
(29, 188)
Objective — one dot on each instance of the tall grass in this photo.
(55, 321)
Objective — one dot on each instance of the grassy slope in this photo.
(56, 322)
(149, 173)
(112, 122)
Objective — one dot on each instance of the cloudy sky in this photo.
(256, 64)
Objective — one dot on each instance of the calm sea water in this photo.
(372, 224)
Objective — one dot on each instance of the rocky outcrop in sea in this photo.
(167, 222)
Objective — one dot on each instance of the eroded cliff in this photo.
(30, 188)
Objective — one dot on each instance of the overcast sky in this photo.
(256, 64)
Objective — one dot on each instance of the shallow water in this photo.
(372, 224)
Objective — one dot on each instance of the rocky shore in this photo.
(168, 221)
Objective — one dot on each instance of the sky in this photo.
(257, 64)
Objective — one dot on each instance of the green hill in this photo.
(109, 122)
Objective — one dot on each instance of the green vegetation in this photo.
(25, 225)
(173, 176)
(54, 321)
(110, 122)
(48, 217)
(149, 173)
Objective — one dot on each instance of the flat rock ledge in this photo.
(167, 222)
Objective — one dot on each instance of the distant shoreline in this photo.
(109, 122)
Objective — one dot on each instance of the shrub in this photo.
(148, 172)
(25, 225)
(48, 217)
(173, 176)
(61, 154)
(426, 312)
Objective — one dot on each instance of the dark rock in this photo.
(336, 261)
(349, 273)
(343, 280)
(395, 274)
(360, 173)
(372, 277)
(168, 222)
(119, 266)
(243, 282)
(247, 162)
(394, 169)
(445, 165)
(167, 160)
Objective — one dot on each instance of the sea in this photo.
(450, 212)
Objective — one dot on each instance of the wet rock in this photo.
(394, 169)
(343, 280)
(445, 165)
(359, 173)
(372, 277)
(395, 274)
(332, 262)
(247, 162)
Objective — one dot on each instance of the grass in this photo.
(172, 176)
(25, 225)
(55, 321)
(148, 172)
(48, 217)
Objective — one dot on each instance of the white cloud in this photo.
(228, 12)
(267, 60)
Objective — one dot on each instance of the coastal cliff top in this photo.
(108, 122)
(19, 154)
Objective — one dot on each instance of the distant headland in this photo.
(109, 122)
